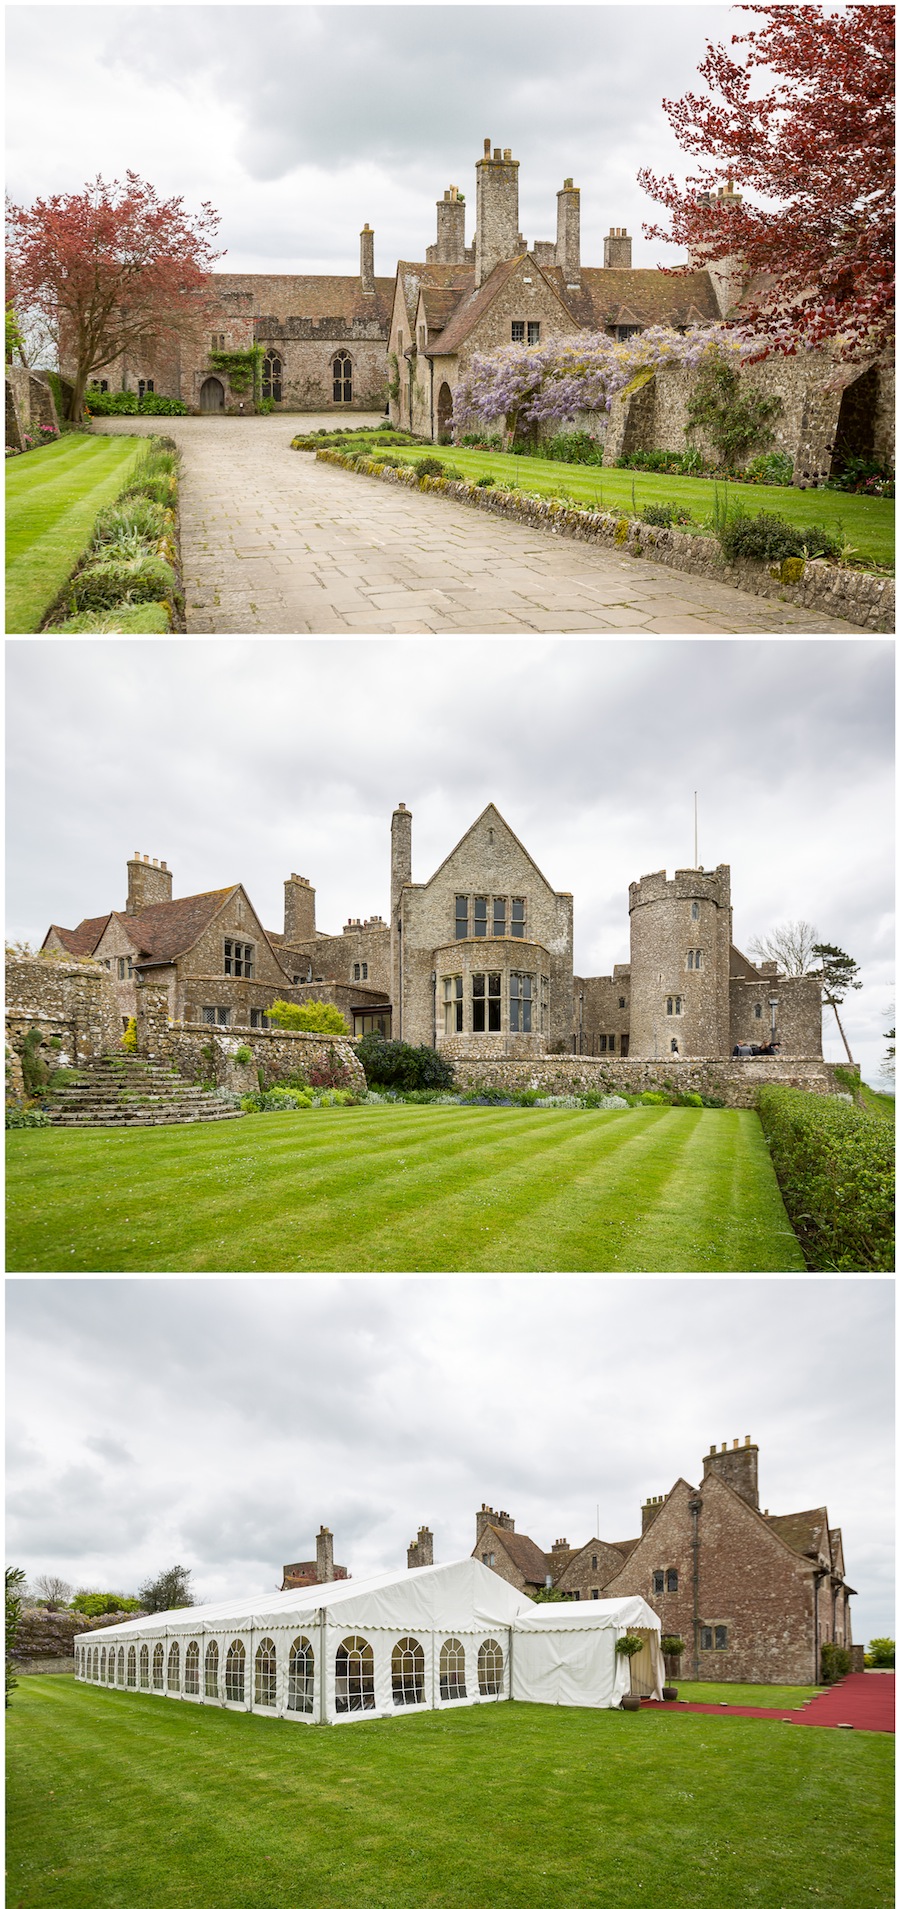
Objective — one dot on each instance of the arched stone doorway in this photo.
(855, 434)
(445, 414)
(212, 395)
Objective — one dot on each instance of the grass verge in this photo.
(762, 1696)
(403, 1189)
(867, 523)
(53, 497)
(116, 1799)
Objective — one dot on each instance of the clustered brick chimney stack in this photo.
(450, 248)
(497, 235)
(421, 1551)
(299, 909)
(568, 234)
(738, 1465)
(617, 250)
(324, 1556)
(149, 882)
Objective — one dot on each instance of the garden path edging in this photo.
(858, 596)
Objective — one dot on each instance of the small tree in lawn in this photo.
(805, 121)
(169, 1592)
(111, 269)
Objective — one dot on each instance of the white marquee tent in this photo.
(440, 1635)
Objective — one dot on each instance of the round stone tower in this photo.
(680, 948)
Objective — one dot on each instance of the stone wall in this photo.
(735, 1082)
(856, 595)
(71, 1002)
(201, 1052)
(29, 402)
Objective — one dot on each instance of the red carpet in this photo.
(864, 1700)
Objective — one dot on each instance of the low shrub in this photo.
(243, 1056)
(484, 483)
(481, 441)
(135, 517)
(573, 447)
(836, 1662)
(651, 1099)
(127, 619)
(834, 1163)
(689, 1100)
(26, 1116)
(330, 1072)
(35, 1072)
(769, 539)
(430, 467)
(310, 1017)
(666, 514)
(397, 1064)
(158, 484)
(109, 404)
(674, 463)
(773, 467)
(106, 581)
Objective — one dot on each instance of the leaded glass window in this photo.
(342, 374)
(462, 917)
(671, 1580)
(271, 376)
(301, 1671)
(521, 988)
(239, 959)
(721, 1637)
(354, 1675)
(517, 924)
(499, 915)
(452, 1670)
(265, 1677)
(453, 1003)
(480, 912)
(490, 1668)
(408, 1672)
(486, 1003)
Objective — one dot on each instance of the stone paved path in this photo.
(275, 544)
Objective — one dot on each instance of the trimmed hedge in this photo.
(834, 1163)
(396, 1064)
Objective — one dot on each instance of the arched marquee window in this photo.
(111, 1667)
(121, 1673)
(300, 1676)
(131, 1678)
(96, 1665)
(234, 1672)
(452, 1670)
(354, 1675)
(103, 1665)
(174, 1667)
(342, 373)
(211, 1670)
(192, 1670)
(408, 1672)
(264, 1681)
(490, 1668)
(158, 1657)
(145, 1667)
(272, 375)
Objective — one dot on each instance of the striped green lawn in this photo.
(403, 1189)
(867, 522)
(119, 1801)
(53, 498)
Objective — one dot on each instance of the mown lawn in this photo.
(867, 522)
(403, 1189)
(53, 498)
(762, 1696)
(130, 1802)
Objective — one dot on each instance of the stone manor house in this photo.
(477, 960)
(344, 344)
(754, 1595)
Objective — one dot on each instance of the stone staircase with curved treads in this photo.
(126, 1090)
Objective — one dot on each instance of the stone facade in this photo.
(29, 402)
(753, 1595)
(476, 961)
(73, 1004)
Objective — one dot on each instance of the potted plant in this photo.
(672, 1648)
(628, 1646)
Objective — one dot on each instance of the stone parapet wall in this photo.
(203, 1053)
(858, 596)
(71, 1001)
(735, 1082)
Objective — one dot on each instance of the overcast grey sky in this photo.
(245, 760)
(219, 1422)
(301, 123)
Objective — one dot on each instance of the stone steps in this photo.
(129, 1091)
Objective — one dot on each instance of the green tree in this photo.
(839, 973)
(169, 1592)
(14, 340)
(888, 1064)
(881, 1651)
(307, 1017)
(103, 1603)
(15, 1591)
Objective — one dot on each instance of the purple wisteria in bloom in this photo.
(522, 386)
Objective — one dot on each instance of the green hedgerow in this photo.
(834, 1163)
(769, 538)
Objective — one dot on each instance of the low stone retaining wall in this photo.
(735, 1082)
(44, 1666)
(205, 1053)
(72, 1003)
(856, 595)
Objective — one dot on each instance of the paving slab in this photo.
(271, 540)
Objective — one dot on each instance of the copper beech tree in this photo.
(806, 123)
(109, 270)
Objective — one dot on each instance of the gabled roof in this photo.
(490, 809)
(524, 1553)
(169, 928)
(471, 309)
(804, 1531)
(411, 276)
(645, 296)
(81, 940)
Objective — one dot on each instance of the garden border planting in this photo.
(858, 596)
(834, 1162)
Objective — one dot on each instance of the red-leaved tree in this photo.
(806, 122)
(109, 269)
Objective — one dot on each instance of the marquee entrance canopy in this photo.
(439, 1635)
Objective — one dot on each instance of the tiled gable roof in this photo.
(644, 296)
(81, 940)
(411, 276)
(472, 307)
(804, 1531)
(170, 928)
(317, 296)
(525, 1554)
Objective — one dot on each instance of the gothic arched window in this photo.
(342, 373)
(272, 375)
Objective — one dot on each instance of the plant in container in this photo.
(628, 1646)
(672, 1649)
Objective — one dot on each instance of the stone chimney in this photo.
(651, 1510)
(367, 259)
(497, 235)
(617, 249)
(148, 883)
(501, 1520)
(560, 1554)
(324, 1556)
(451, 230)
(568, 233)
(299, 909)
(738, 1465)
(421, 1551)
(726, 269)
